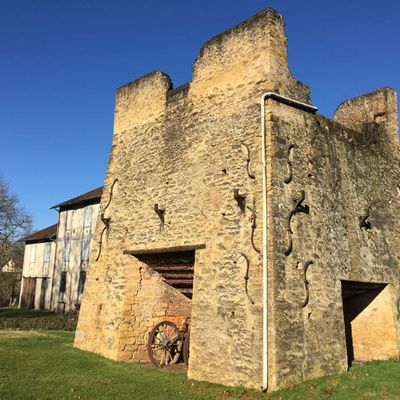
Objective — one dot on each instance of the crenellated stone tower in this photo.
(184, 195)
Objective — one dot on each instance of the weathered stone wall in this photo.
(344, 174)
(368, 112)
(183, 149)
(153, 301)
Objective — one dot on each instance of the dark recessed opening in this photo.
(28, 294)
(357, 296)
(177, 268)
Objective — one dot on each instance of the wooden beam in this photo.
(174, 249)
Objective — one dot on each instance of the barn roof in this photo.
(88, 197)
(43, 235)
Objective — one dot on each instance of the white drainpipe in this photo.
(305, 107)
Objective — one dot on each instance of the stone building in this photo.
(284, 221)
(56, 258)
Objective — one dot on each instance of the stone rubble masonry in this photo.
(365, 112)
(343, 173)
(184, 149)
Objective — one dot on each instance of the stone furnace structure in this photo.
(229, 200)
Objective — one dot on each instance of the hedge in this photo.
(59, 323)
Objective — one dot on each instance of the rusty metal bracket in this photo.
(306, 283)
(363, 220)
(106, 221)
(111, 195)
(289, 152)
(248, 160)
(246, 277)
(161, 214)
(298, 207)
(240, 199)
(398, 310)
(253, 220)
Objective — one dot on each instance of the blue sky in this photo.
(61, 62)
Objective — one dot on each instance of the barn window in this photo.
(63, 282)
(46, 255)
(67, 249)
(32, 256)
(85, 249)
(88, 217)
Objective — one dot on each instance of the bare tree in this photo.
(15, 223)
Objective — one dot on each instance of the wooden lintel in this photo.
(165, 249)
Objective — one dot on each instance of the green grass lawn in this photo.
(44, 365)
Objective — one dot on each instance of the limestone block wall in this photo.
(346, 176)
(189, 150)
(186, 150)
(153, 301)
(369, 111)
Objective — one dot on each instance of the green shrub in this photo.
(25, 320)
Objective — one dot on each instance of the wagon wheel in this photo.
(186, 346)
(164, 344)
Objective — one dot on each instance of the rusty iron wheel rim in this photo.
(186, 348)
(163, 344)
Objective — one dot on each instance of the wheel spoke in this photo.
(165, 344)
(162, 358)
